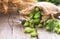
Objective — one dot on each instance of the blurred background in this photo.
(52, 1)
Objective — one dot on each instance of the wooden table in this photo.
(13, 30)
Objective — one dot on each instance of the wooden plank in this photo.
(18, 30)
(43, 34)
(18, 33)
(57, 36)
(7, 33)
(5, 30)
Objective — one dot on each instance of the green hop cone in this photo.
(45, 23)
(41, 12)
(47, 28)
(36, 8)
(40, 25)
(32, 25)
(34, 34)
(55, 29)
(26, 24)
(55, 1)
(57, 26)
(31, 15)
(37, 15)
(36, 20)
(28, 30)
(47, 0)
(50, 20)
(33, 30)
(31, 21)
(58, 31)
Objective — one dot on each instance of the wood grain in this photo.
(16, 31)
(9, 30)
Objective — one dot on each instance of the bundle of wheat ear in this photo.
(49, 10)
(9, 5)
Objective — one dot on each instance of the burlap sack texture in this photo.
(48, 8)
(9, 5)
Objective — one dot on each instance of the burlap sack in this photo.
(8, 5)
(48, 8)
